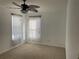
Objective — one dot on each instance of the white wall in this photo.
(72, 30)
(5, 29)
(53, 28)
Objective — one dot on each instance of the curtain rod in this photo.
(35, 16)
(16, 14)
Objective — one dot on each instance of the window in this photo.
(17, 28)
(34, 27)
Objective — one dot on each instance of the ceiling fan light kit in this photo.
(25, 7)
(24, 11)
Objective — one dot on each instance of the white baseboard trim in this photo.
(11, 48)
(47, 44)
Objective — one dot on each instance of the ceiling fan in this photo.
(25, 7)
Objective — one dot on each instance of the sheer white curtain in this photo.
(34, 28)
(17, 28)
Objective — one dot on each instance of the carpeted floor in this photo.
(30, 51)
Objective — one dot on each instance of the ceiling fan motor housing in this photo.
(24, 8)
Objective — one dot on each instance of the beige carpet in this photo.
(30, 51)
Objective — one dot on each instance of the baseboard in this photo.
(11, 48)
(47, 44)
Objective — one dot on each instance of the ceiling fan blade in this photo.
(33, 9)
(13, 8)
(34, 6)
(16, 4)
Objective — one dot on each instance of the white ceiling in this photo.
(45, 5)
